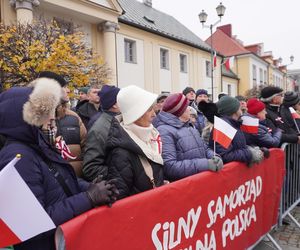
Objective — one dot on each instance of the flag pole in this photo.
(214, 148)
(296, 126)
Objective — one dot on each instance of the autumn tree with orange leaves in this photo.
(25, 50)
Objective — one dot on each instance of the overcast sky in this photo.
(275, 23)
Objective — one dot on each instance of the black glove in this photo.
(266, 152)
(104, 192)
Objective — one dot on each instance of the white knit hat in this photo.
(134, 103)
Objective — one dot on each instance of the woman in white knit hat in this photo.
(135, 147)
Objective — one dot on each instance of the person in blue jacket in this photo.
(183, 150)
(230, 111)
(265, 137)
(27, 122)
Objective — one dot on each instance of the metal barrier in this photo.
(290, 196)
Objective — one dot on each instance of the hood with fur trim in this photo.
(24, 109)
(42, 102)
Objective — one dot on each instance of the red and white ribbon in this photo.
(64, 150)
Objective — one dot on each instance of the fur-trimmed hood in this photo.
(24, 109)
(42, 102)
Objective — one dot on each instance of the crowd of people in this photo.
(115, 143)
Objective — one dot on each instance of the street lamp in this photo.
(202, 18)
(285, 74)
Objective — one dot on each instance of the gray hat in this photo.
(291, 98)
(228, 105)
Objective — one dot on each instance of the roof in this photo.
(228, 73)
(226, 45)
(148, 18)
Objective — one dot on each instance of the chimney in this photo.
(148, 3)
(226, 29)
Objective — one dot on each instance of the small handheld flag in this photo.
(294, 114)
(250, 124)
(223, 132)
(19, 222)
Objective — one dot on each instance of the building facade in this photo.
(140, 44)
(253, 66)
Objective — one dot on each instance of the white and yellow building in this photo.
(140, 44)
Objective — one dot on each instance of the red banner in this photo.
(230, 209)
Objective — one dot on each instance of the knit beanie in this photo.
(84, 89)
(134, 102)
(188, 90)
(175, 104)
(291, 98)
(255, 106)
(54, 76)
(268, 93)
(108, 96)
(201, 92)
(228, 105)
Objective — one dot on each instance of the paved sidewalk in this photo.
(287, 236)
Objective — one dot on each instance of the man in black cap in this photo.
(273, 98)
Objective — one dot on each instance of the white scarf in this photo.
(148, 139)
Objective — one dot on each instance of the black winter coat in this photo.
(289, 123)
(86, 111)
(125, 166)
(274, 121)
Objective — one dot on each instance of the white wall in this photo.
(277, 78)
(83, 26)
(233, 88)
(165, 75)
(130, 73)
(259, 65)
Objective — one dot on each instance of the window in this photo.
(254, 76)
(261, 76)
(229, 89)
(183, 63)
(164, 59)
(130, 51)
(208, 68)
(265, 77)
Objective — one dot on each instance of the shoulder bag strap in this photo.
(148, 169)
(51, 167)
(59, 178)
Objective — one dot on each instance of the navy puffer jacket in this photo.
(33, 167)
(183, 150)
(265, 137)
(237, 151)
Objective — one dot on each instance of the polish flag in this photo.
(215, 59)
(223, 132)
(21, 215)
(250, 124)
(295, 115)
(229, 62)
